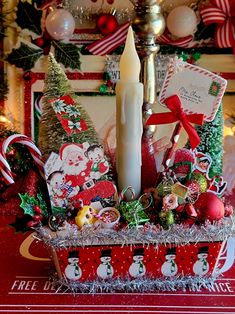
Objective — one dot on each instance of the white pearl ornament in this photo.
(60, 24)
(181, 21)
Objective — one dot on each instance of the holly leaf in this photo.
(42, 204)
(29, 17)
(27, 203)
(56, 210)
(67, 54)
(25, 56)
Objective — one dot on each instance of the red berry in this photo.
(37, 217)
(32, 224)
(37, 209)
(110, 1)
(40, 42)
(27, 76)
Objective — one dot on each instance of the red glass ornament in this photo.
(209, 206)
(106, 23)
(149, 173)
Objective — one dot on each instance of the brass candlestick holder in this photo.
(148, 24)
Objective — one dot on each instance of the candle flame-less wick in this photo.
(129, 62)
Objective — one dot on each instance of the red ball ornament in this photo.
(209, 207)
(40, 42)
(107, 24)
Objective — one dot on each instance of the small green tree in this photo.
(51, 133)
(211, 135)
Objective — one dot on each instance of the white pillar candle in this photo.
(129, 124)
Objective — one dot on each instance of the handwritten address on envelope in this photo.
(199, 90)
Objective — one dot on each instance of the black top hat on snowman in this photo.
(138, 252)
(203, 249)
(171, 251)
(106, 253)
(73, 254)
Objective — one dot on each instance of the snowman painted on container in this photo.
(201, 266)
(72, 270)
(105, 269)
(169, 267)
(137, 268)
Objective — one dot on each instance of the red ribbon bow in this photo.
(177, 114)
(222, 13)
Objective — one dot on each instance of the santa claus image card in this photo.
(199, 90)
(78, 173)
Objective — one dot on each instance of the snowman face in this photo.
(138, 258)
(170, 257)
(105, 259)
(202, 255)
(73, 260)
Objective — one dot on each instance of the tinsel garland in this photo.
(149, 234)
(145, 284)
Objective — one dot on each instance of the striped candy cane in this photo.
(121, 195)
(20, 139)
(169, 152)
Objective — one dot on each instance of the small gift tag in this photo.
(199, 90)
(69, 116)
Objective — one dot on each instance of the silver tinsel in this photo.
(137, 285)
(148, 234)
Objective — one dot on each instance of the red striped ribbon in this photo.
(222, 13)
(180, 42)
(110, 42)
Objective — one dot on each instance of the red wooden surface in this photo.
(25, 286)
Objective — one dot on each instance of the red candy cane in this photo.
(20, 139)
(121, 195)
